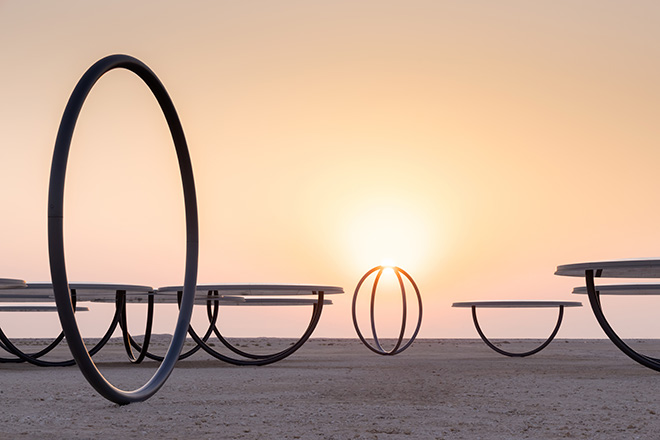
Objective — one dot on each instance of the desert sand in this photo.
(337, 389)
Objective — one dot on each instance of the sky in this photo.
(477, 145)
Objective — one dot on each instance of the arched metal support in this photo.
(56, 230)
(209, 331)
(123, 323)
(377, 347)
(258, 360)
(508, 353)
(35, 358)
(596, 307)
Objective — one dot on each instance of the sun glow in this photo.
(395, 228)
(387, 263)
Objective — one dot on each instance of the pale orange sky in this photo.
(476, 144)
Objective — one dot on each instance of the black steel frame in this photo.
(56, 230)
(513, 354)
(596, 307)
(212, 307)
(130, 342)
(35, 358)
(377, 347)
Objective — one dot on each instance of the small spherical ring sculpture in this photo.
(56, 231)
(399, 346)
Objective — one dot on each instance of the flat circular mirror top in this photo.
(24, 308)
(622, 289)
(283, 302)
(170, 297)
(84, 292)
(517, 304)
(11, 295)
(259, 289)
(11, 283)
(643, 268)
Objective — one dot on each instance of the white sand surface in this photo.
(337, 389)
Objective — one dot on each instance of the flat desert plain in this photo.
(338, 389)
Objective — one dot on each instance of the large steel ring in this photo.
(56, 233)
(377, 347)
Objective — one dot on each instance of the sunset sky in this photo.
(477, 145)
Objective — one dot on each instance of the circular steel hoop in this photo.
(398, 348)
(596, 307)
(512, 354)
(56, 230)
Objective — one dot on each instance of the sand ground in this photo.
(337, 389)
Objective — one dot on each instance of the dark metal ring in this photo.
(398, 348)
(56, 232)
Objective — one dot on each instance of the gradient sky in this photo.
(476, 144)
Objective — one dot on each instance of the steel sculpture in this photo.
(596, 307)
(35, 358)
(253, 359)
(56, 232)
(376, 347)
(130, 343)
(517, 354)
(79, 292)
(517, 304)
(214, 300)
(616, 269)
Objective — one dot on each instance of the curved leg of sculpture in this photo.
(594, 300)
(281, 354)
(56, 230)
(527, 353)
(121, 303)
(222, 339)
(193, 350)
(14, 360)
(36, 355)
(34, 358)
(22, 356)
(25, 357)
(316, 316)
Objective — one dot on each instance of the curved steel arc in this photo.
(26, 357)
(419, 305)
(193, 350)
(225, 342)
(258, 360)
(372, 311)
(34, 358)
(280, 354)
(596, 307)
(56, 229)
(123, 323)
(508, 353)
(354, 314)
(402, 332)
(398, 347)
